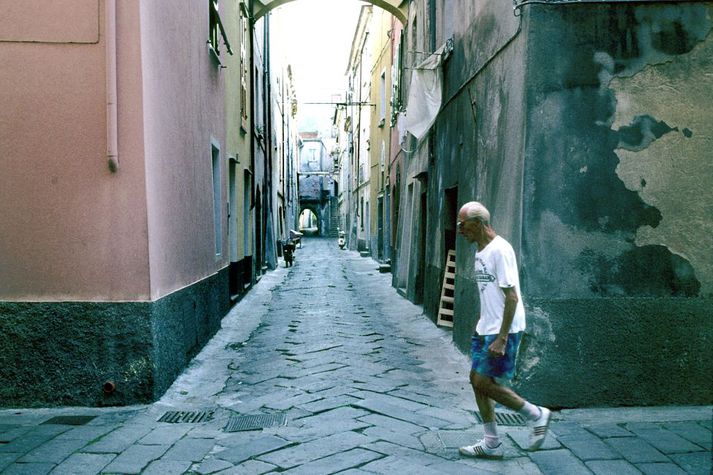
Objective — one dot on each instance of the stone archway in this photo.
(317, 211)
(398, 8)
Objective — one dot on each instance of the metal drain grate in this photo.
(186, 417)
(255, 421)
(505, 419)
(69, 420)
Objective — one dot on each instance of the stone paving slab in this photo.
(7, 459)
(608, 430)
(135, 458)
(559, 462)
(698, 463)
(250, 467)
(83, 464)
(588, 447)
(32, 439)
(316, 449)
(248, 450)
(327, 403)
(87, 433)
(416, 456)
(190, 450)
(53, 451)
(660, 469)
(336, 463)
(636, 450)
(399, 412)
(666, 441)
(395, 464)
(168, 434)
(119, 440)
(29, 469)
(212, 465)
(515, 465)
(399, 438)
(692, 431)
(164, 467)
(8, 432)
(392, 424)
(612, 467)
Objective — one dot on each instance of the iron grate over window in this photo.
(186, 417)
(505, 419)
(255, 422)
(70, 420)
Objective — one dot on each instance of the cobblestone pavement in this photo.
(324, 368)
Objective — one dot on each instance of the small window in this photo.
(382, 99)
(217, 200)
(244, 65)
(396, 69)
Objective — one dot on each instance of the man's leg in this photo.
(486, 406)
(487, 386)
(538, 416)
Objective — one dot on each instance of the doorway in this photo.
(380, 228)
(233, 270)
(421, 268)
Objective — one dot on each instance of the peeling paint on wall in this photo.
(668, 107)
(540, 336)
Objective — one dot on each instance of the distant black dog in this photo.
(288, 251)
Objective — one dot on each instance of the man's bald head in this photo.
(474, 210)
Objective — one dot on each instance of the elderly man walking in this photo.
(499, 328)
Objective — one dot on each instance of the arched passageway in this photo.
(309, 222)
(261, 7)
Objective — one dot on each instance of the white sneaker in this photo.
(480, 450)
(539, 429)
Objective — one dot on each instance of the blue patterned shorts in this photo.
(486, 364)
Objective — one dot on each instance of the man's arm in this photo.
(498, 346)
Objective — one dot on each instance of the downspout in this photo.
(112, 128)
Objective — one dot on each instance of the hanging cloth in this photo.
(425, 94)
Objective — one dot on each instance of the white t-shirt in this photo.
(495, 269)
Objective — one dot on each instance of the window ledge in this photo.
(214, 55)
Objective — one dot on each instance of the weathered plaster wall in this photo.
(617, 215)
(77, 308)
(671, 167)
(237, 129)
(594, 157)
(71, 229)
(478, 142)
(184, 117)
(62, 353)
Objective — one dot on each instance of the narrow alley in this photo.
(324, 368)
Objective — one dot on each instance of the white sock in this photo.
(530, 411)
(491, 438)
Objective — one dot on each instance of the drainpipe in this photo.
(112, 153)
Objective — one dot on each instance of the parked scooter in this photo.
(341, 241)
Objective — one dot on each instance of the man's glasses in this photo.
(461, 224)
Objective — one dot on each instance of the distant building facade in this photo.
(317, 185)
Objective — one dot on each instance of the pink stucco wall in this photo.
(183, 118)
(70, 229)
